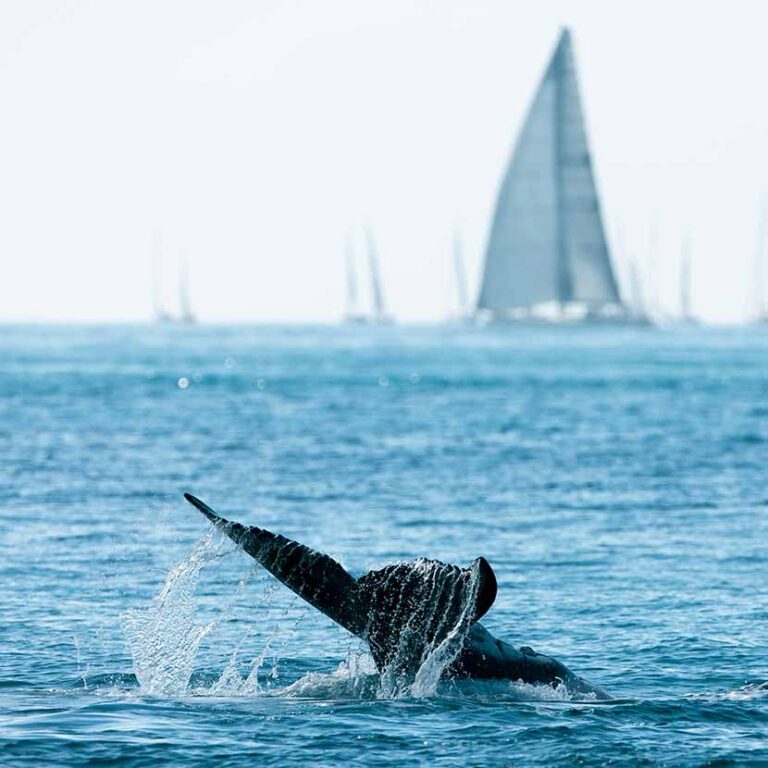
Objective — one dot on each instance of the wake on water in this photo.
(164, 639)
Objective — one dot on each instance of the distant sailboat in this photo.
(685, 284)
(375, 313)
(547, 257)
(636, 297)
(379, 316)
(159, 312)
(186, 316)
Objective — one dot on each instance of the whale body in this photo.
(405, 611)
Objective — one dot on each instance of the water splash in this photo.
(82, 671)
(163, 639)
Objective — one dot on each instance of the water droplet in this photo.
(261, 383)
(183, 382)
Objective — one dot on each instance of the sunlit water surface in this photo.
(616, 480)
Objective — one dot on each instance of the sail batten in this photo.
(547, 241)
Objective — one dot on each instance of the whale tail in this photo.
(415, 607)
(401, 610)
(315, 577)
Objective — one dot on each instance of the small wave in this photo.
(751, 690)
(754, 689)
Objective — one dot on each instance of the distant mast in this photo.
(547, 255)
(461, 279)
(377, 296)
(186, 315)
(637, 301)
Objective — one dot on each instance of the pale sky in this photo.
(253, 136)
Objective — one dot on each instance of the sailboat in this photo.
(186, 316)
(377, 313)
(160, 314)
(547, 258)
(636, 296)
(686, 318)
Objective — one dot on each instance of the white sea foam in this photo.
(164, 637)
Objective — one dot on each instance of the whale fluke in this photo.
(315, 577)
(406, 611)
(415, 606)
(401, 610)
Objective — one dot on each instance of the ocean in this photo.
(616, 480)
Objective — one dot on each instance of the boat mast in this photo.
(377, 295)
(186, 315)
(636, 290)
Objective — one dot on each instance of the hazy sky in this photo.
(253, 136)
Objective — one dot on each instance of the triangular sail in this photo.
(547, 240)
(185, 306)
(377, 295)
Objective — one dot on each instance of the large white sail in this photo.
(547, 241)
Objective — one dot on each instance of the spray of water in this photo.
(164, 638)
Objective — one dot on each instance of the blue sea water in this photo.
(615, 479)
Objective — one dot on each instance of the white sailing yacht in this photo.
(547, 257)
(686, 317)
(159, 313)
(377, 313)
(186, 316)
